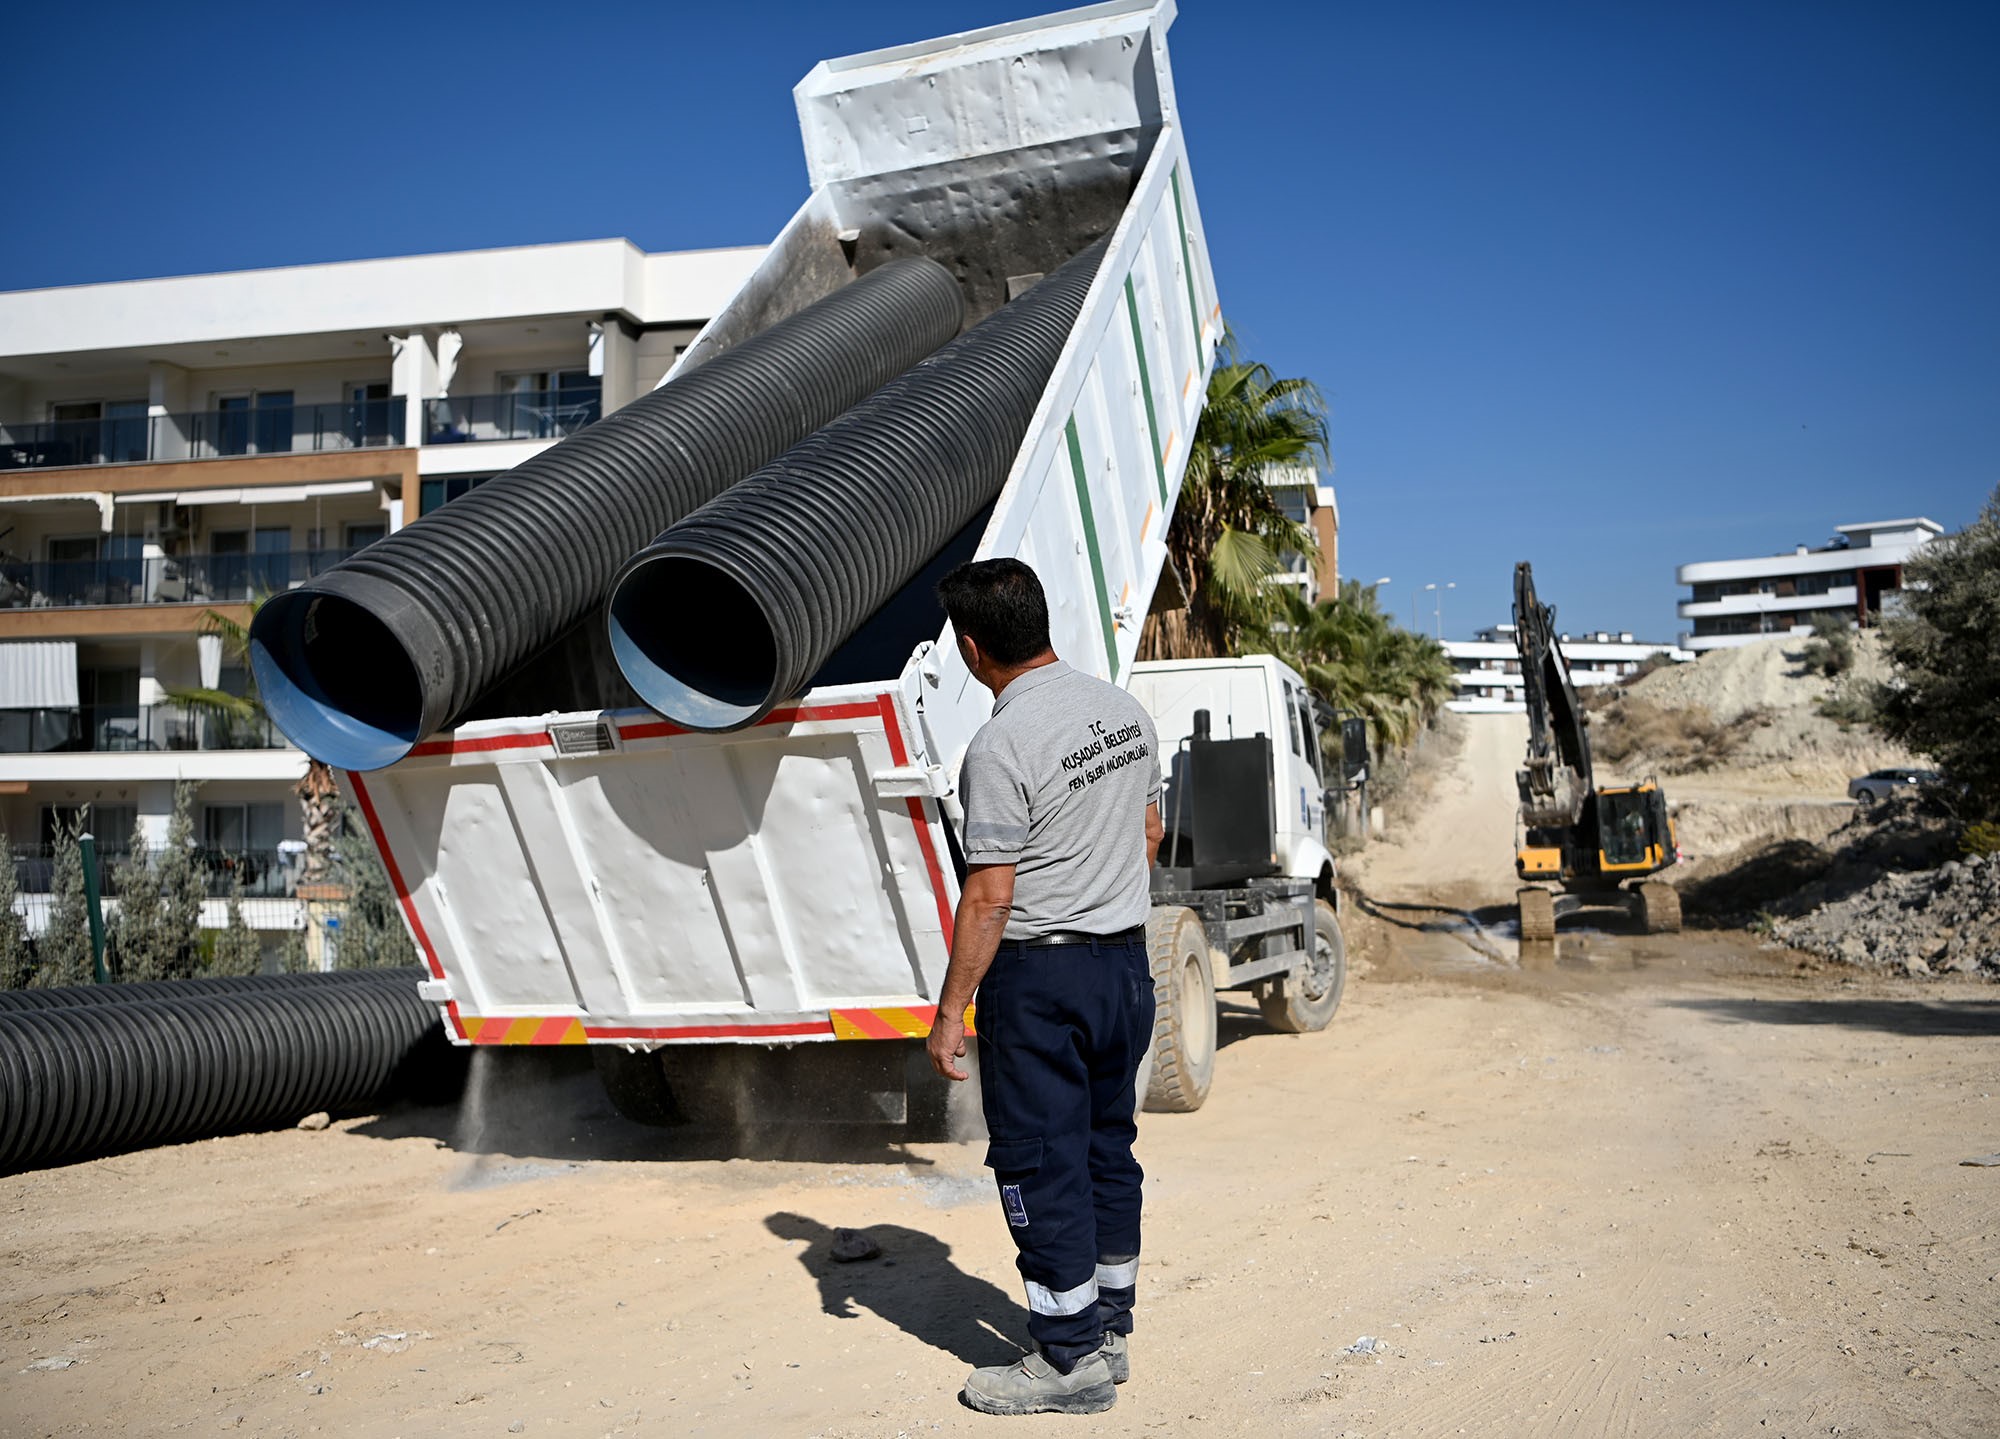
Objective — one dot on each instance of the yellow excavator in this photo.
(1578, 846)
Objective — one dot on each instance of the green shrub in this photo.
(1980, 839)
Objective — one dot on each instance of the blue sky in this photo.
(1607, 287)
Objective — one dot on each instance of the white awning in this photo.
(100, 498)
(38, 674)
(254, 494)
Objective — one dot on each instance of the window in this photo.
(250, 562)
(440, 491)
(1292, 711)
(254, 424)
(95, 432)
(1303, 717)
(368, 413)
(111, 825)
(234, 828)
(361, 536)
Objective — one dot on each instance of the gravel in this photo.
(1944, 920)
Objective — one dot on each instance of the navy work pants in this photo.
(1062, 1031)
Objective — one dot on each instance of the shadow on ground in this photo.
(1889, 1016)
(913, 1285)
(547, 1103)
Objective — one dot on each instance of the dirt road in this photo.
(1659, 1186)
(1651, 1194)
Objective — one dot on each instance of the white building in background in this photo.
(1489, 666)
(171, 447)
(1737, 602)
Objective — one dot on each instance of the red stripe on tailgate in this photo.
(395, 874)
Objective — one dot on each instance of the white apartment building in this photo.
(173, 447)
(1488, 665)
(1737, 602)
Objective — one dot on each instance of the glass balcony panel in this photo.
(174, 579)
(234, 429)
(516, 415)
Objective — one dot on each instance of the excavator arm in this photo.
(1556, 781)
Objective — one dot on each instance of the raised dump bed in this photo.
(607, 877)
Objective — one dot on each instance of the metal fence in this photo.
(105, 729)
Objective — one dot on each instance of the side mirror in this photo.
(1354, 749)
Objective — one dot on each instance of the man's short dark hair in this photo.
(999, 604)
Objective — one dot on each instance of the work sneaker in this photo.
(1032, 1386)
(1116, 1359)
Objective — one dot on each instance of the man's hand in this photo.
(947, 1042)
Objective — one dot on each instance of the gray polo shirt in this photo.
(1056, 784)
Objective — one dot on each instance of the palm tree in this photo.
(1360, 661)
(319, 794)
(1228, 531)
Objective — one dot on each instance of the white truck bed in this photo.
(607, 877)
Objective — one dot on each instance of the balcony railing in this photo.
(126, 729)
(203, 434)
(171, 580)
(263, 872)
(518, 415)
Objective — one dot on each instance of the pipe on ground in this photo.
(95, 1078)
(61, 996)
(394, 643)
(734, 608)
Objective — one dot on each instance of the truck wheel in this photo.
(1303, 1002)
(1183, 1051)
(1659, 908)
(1538, 914)
(635, 1084)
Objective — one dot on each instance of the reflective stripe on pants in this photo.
(1062, 1031)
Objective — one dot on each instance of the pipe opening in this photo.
(694, 643)
(336, 680)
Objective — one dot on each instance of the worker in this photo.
(1061, 792)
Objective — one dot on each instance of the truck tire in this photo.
(1304, 1001)
(1659, 908)
(1183, 1051)
(1538, 915)
(635, 1084)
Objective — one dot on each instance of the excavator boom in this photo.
(1557, 780)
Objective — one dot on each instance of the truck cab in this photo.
(1247, 697)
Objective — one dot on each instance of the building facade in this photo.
(1852, 578)
(1488, 666)
(1308, 500)
(170, 449)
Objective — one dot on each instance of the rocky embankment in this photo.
(1944, 920)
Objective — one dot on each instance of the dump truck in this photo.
(743, 915)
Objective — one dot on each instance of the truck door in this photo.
(1302, 804)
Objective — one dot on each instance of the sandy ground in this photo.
(1658, 1185)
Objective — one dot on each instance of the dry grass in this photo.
(1636, 733)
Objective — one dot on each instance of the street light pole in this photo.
(1438, 606)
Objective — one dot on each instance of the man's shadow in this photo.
(914, 1285)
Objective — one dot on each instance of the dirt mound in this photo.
(1792, 876)
(1946, 919)
(1751, 714)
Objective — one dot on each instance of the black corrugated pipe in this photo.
(85, 1079)
(394, 643)
(125, 991)
(735, 608)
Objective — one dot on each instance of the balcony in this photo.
(169, 580)
(129, 729)
(518, 415)
(203, 435)
(263, 872)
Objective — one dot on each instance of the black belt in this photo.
(1135, 935)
